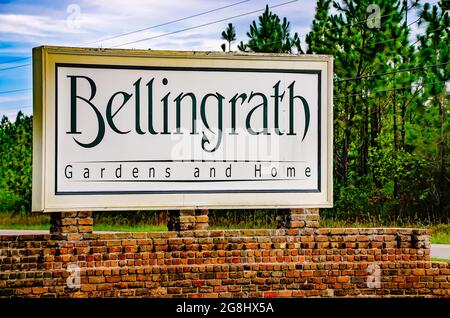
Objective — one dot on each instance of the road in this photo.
(440, 250)
(437, 250)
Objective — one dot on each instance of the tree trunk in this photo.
(394, 111)
(441, 157)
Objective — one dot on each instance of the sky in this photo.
(25, 24)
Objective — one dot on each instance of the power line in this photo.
(14, 67)
(16, 60)
(15, 90)
(203, 25)
(131, 32)
(167, 23)
(388, 90)
(389, 73)
(361, 22)
(425, 35)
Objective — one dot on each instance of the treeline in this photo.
(15, 164)
(391, 107)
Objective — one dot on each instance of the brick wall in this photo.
(230, 263)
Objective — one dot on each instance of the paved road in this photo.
(437, 250)
(440, 250)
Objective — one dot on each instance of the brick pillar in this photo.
(185, 220)
(299, 219)
(71, 225)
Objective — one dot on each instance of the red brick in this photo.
(113, 279)
(96, 279)
(87, 221)
(88, 288)
(270, 294)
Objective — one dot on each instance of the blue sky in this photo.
(25, 24)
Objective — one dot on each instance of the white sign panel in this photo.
(149, 130)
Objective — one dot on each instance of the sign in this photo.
(133, 130)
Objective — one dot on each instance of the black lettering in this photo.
(67, 173)
(73, 111)
(274, 172)
(290, 171)
(233, 102)
(86, 173)
(228, 172)
(196, 172)
(167, 172)
(308, 172)
(110, 116)
(257, 170)
(119, 172)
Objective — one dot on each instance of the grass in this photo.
(435, 259)
(440, 234)
(19, 222)
(130, 228)
(103, 222)
(24, 226)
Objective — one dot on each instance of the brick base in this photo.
(225, 263)
(187, 220)
(299, 219)
(71, 225)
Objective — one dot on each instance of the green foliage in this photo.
(271, 35)
(391, 110)
(15, 164)
(228, 35)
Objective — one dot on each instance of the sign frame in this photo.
(46, 198)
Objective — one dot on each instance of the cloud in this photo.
(11, 98)
(32, 25)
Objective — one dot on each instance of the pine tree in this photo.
(271, 35)
(229, 35)
(375, 106)
(316, 40)
(434, 52)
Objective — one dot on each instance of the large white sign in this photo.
(121, 129)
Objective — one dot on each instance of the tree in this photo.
(316, 40)
(271, 35)
(229, 35)
(434, 53)
(15, 164)
(386, 111)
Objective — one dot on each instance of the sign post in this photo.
(150, 130)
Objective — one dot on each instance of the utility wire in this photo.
(15, 90)
(360, 22)
(203, 25)
(167, 23)
(14, 67)
(389, 73)
(388, 90)
(336, 81)
(128, 33)
(16, 60)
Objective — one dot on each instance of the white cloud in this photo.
(33, 25)
(11, 98)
